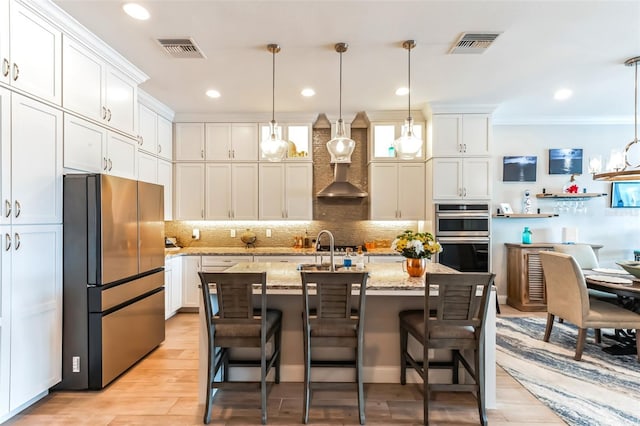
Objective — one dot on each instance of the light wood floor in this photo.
(162, 390)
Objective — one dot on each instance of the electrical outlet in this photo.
(196, 234)
(76, 364)
(268, 233)
(233, 233)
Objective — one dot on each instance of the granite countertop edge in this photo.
(261, 251)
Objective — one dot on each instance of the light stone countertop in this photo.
(262, 251)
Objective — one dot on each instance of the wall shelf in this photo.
(566, 196)
(525, 215)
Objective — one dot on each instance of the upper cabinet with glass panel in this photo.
(297, 135)
(384, 133)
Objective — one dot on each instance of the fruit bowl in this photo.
(631, 266)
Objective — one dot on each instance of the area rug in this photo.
(602, 389)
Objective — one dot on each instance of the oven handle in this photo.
(445, 240)
(462, 215)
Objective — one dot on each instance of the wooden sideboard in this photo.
(525, 280)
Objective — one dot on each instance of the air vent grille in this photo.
(473, 42)
(180, 47)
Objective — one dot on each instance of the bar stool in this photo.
(455, 322)
(333, 323)
(236, 324)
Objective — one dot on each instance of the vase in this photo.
(415, 267)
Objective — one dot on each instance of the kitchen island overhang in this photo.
(389, 291)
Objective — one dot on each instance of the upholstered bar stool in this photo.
(236, 324)
(456, 322)
(328, 320)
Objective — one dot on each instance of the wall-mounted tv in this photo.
(625, 194)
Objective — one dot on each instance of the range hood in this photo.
(340, 188)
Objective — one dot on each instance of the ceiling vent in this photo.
(473, 42)
(180, 47)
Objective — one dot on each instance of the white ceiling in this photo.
(544, 45)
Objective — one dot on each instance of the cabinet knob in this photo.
(17, 208)
(5, 67)
(16, 71)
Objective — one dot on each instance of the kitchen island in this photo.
(389, 291)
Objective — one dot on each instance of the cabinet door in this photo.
(5, 157)
(148, 129)
(84, 143)
(244, 191)
(165, 138)
(190, 281)
(447, 134)
(189, 141)
(218, 192)
(147, 167)
(411, 191)
(165, 178)
(477, 178)
(120, 94)
(272, 191)
(447, 178)
(299, 191)
(383, 178)
(218, 141)
(5, 309)
(189, 191)
(167, 291)
(36, 162)
(122, 156)
(176, 284)
(83, 80)
(244, 141)
(475, 134)
(5, 65)
(36, 311)
(36, 55)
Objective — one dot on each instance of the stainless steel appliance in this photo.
(464, 231)
(113, 277)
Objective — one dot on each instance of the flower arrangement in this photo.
(416, 245)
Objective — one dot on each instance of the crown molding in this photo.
(155, 105)
(244, 117)
(461, 108)
(563, 121)
(394, 115)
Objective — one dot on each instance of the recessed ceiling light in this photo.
(402, 91)
(213, 93)
(562, 94)
(136, 11)
(308, 92)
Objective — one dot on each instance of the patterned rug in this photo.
(602, 389)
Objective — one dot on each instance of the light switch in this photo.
(196, 234)
(268, 233)
(233, 233)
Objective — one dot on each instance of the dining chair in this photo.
(568, 298)
(455, 322)
(234, 323)
(330, 320)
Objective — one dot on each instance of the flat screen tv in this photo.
(625, 194)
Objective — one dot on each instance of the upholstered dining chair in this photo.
(234, 323)
(330, 320)
(456, 319)
(568, 298)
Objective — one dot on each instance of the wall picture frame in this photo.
(505, 208)
(565, 161)
(521, 168)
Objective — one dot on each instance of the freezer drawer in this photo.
(104, 298)
(121, 338)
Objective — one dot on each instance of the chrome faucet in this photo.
(332, 267)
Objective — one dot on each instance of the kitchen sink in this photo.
(316, 267)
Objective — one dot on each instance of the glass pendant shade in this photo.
(408, 145)
(274, 148)
(341, 147)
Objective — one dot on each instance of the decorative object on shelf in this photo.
(526, 235)
(619, 167)
(341, 146)
(519, 168)
(274, 148)
(249, 238)
(416, 246)
(505, 208)
(408, 145)
(527, 207)
(565, 161)
(571, 187)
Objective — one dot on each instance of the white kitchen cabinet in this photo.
(35, 256)
(397, 191)
(383, 134)
(191, 265)
(189, 142)
(155, 133)
(31, 53)
(286, 191)
(165, 138)
(172, 286)
(231, 141)
(5, 321)
(461, 134)
(147, 167)
(121, 156)
(189, 191)
(385, 259)
(165, 178)
(462, 178)
(231, 191)
(96, 90)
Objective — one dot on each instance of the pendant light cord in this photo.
(273, 86)
(409, 85)
(340, 97)
(635, 109)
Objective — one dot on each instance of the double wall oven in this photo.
(464, 231)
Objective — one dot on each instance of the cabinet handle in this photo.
(7, 242)
(7, 207)
(109, 116)
(202, 153)
(17, 208)
(465, 147)
(110, 164)
(5, 67)
(140, 140)
(104, 162)
(464, 192)
(159, 149)
(399, 214)
(16, 71)
(229, 154)
(233, 153)
(202, 213)
(16, 237)
(104, 113)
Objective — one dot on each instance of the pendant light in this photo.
(273, 147)
(341, 147)
(408, 145)
(619, 162)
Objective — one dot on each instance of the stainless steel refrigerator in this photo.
(113, 277)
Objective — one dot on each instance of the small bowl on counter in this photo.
(631, 266)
